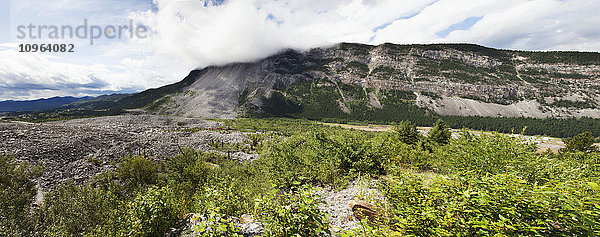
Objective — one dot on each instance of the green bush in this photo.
(407, 132)
(294, 213)
(440, 133)
(17, 193)
(408, 157)
(492, 205)
(225, 197)
(325, 157)
(485, 154)
(138, 172)
(582, 142)
(71, 210)
(565, 166)
(189, 170)
(153, 212)
(214, 224)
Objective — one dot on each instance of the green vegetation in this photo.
(532, 126)
(433, 185)
(463, 72)
(573, 104)
(583, 142)
(583, 58)
(356, 67)
(324, 105)
(157, 106)
(385, 73)
(494, 185)
(356, 49)
(294, 213)
(440, 133)
(431, 95)
(407, 132)
(17, 192)
(70, 210)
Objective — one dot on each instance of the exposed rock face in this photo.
(215, 93)
(457, 79)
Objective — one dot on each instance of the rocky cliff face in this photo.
(359, 81)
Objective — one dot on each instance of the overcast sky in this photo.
(189, 34)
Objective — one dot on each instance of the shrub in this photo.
(71, 210)
(137, 172)
(223, 197)
(153, 212)
(494, 205)
(294, 213)
(325, 157)
(582, 142)
(188, 170)
(357, 152)
(408, 157)
(485, 154)
(216, 206)
(407, 132)
(214, 224)
(17, 192)
(440, 133)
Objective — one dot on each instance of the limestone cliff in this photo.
(360, 81)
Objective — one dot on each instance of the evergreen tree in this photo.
(582, 142)
(407, 132)
(440, 133)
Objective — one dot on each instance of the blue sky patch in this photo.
(214, 2)
(384, 25)
(464, 25)
(271, 17)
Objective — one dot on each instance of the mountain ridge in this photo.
(39, 104)
(383, 82)
(447, 79)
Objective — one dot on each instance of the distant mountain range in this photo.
(67, 102)
(37, 105)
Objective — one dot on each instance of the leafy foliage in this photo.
(583, 142)
(138, 172)
(475, 185)
(324, 157)
(17, 192)
(486, 206)
(153, 212)
(294, 213)
(70, 210)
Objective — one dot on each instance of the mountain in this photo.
(98, 102)
(362, 82)
(37, 105)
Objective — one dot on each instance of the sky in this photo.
(183, 35)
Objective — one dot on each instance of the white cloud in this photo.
(188, 34)
(247, 30)
(36, 75)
